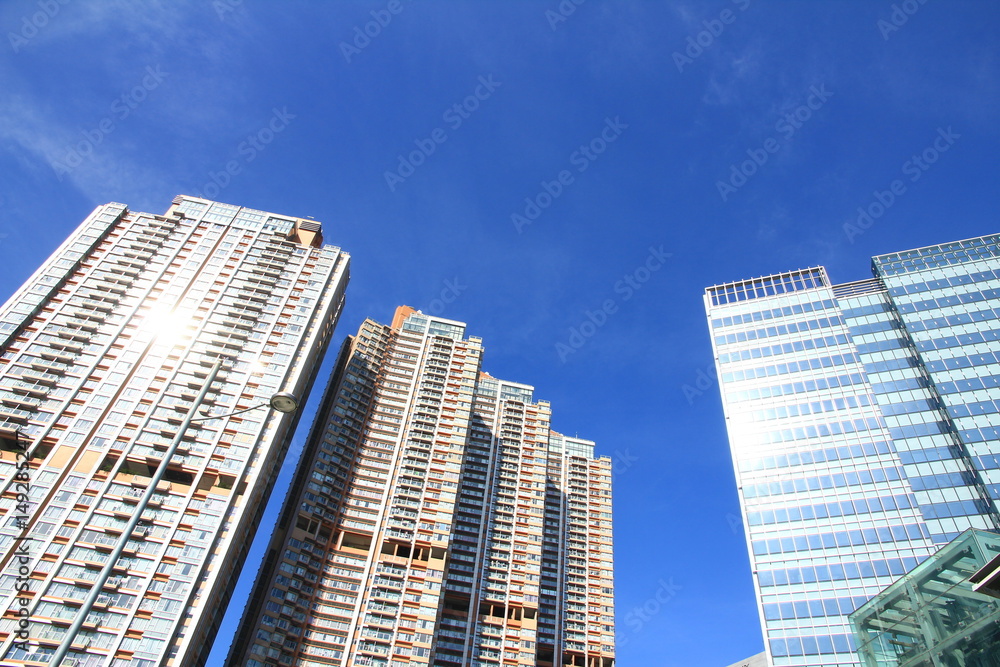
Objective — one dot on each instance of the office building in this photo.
(435, 518)
(103, 352)
(863, 422)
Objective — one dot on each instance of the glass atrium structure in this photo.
(932, 617)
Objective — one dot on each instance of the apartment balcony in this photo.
(190, 395)
(274, 265)
(145, 241)
(74, 347)
(128, 269)
(69, 333)
(101, 305)
(246, 304)
(141, 255)
(95, 317)
(278, 248)
(40, 376)
(266, 271)
(50, 366)
(401, 534)
(81, 325)
(239, 323)
(385, 608)
(58, 356)
(15, 414)
(225, 347)
(112, 287)
(17, 400)
(253, 284)
(9, 429)
(144, 245)
(90, 291)
(259, 279)
(162, 223)
(29, 389)
(256, 296)
(114, 279)
(240, 334)
(125, 264)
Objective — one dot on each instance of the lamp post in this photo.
(281, 402)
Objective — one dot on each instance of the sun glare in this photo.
(169, 327)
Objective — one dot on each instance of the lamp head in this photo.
(284, 402)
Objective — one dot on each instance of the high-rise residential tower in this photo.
(435, 519)
(864, 427)
(103, 353)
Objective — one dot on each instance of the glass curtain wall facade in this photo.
(435, 519)
(102, 353)
(863, 423)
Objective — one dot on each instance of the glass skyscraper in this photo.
(435, 518)
(864, 423)
(103, 352)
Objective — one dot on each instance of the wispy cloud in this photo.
(199, 97)
(104, 175)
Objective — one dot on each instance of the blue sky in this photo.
(666, 146)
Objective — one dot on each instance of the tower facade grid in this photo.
(435, 519)
(102, 354)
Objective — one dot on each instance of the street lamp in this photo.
(281, 402)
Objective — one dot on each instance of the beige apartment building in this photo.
(435, 518)
(103, 353)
